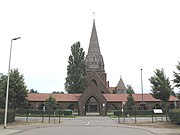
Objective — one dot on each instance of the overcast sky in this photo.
(133, 34)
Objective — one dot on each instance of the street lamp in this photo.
(7, 90)
(142, 84)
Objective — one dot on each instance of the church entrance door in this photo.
(92, 106)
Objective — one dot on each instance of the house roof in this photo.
(109, 97)
(58, 97)
(120, 85)
(123, 97)
(173, 98)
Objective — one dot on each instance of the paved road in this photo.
(87, 126)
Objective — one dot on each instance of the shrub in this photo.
(10, 116)
(38, 113)
(174, 116)
(133, 112)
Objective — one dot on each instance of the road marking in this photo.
(87, 124)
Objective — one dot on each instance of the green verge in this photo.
(10, 116)
(174, 116)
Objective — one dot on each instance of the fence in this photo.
(43, 114)
(134, 116)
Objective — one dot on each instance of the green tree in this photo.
(161, 88)
(173, 93)
(177, 76)
(17, 89)
(178, 95)
(58, 92)
(130, 104)
(130, 89)
(3, 82)
(50, 103)
(76, 70)
(33, 91)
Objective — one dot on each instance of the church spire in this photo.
(94, 59)
(94, 43)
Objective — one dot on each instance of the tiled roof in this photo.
(116, 97)
(123, 97)
(109, 97)
(173, 98)
(146, 98)
(58, 97)
(120, 85)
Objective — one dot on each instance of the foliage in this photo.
(178, 95)
(130, 102)
(130, 89)
(10, 117)
(33, 91)
(76, 70)
(51, 103)
(17, 89)
(138, 113)
(57, 92)
(38, 113)
(173, 93)
(177, 76)
(161, 88)
(174, 116)
(3, 82)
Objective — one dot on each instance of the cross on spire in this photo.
(93, 16)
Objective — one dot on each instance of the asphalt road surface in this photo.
(87, 126)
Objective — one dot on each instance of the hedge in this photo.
(10, 116)
(34, 113)
(174, 116)
(133, 112)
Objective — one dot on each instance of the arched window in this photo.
(94, 81)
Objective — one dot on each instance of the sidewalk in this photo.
(7, 131)
(163, 131)
(16, 128)
(157, 131)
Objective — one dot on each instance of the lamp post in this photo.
(142, 84)
(7, 90)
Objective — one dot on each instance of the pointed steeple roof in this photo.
(94, 59)
(94, 43)
(120, 85)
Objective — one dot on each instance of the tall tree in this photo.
(76, 70)
(173, 93)
(130, 89)
(3, 81)
(161, 88)
(177, 76)
(178, 95)
(130, 104)
(17, 89)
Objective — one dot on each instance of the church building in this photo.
(98, 97)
